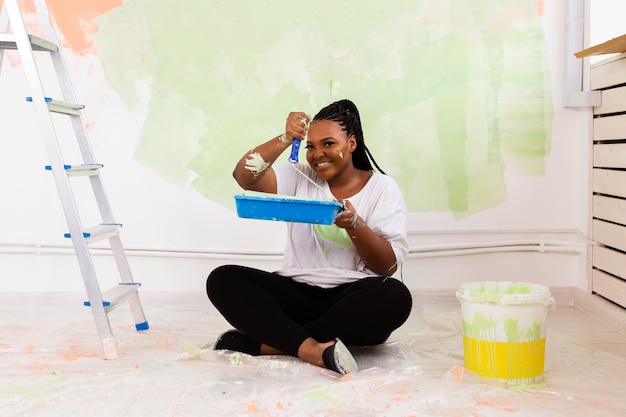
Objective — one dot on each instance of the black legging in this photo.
(282, 313)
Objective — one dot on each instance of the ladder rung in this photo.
(99, 232)
(80, 170)
(117, 295)
(57, 106)
(7, 41)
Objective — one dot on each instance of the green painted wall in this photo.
(452, 93)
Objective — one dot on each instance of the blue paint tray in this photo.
(264, 206)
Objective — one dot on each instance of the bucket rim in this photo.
(507, 293)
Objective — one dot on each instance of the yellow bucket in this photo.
(504, 329)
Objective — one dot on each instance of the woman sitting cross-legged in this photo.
(334, 288)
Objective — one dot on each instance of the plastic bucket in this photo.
(504, 329)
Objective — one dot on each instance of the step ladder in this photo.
(13, 35)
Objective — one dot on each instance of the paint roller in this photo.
(293, 158)
(295, 144)
(295, 148)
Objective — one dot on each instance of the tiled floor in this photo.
(51, 365)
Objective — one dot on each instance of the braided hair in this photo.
(346, 114)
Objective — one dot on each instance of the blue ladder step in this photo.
(79, 170)
(58, 106)
(117, 295)
(99, 232)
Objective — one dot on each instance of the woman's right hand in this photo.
(296, 126)
(253, 171)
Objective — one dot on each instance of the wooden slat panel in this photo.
(609, 234)
(609, 260)
(609, 208)
(608, 75)
(606, 181)
(609, 265)
(613, 101)
(609, 287)
(609, 127)
(609, 155)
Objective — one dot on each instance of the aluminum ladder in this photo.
(13, 35)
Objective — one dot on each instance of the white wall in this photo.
(604, 23)
(175, 236)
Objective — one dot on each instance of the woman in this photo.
(333, 288)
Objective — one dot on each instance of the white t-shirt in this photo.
(323, 255)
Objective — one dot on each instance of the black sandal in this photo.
(339, 359)
(239, 342)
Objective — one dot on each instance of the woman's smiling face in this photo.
(328, 148)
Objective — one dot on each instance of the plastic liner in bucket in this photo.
(504, 329)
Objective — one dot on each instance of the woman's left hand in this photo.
(348, 218)
(375, 251)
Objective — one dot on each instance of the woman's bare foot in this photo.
(269, 350)
(311, 351)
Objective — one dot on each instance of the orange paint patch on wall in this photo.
(540, 5)
(76, 20)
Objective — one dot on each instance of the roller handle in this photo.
(295, 148)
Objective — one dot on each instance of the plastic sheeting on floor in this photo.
(51, 365)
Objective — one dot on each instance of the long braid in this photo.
(346, 114)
